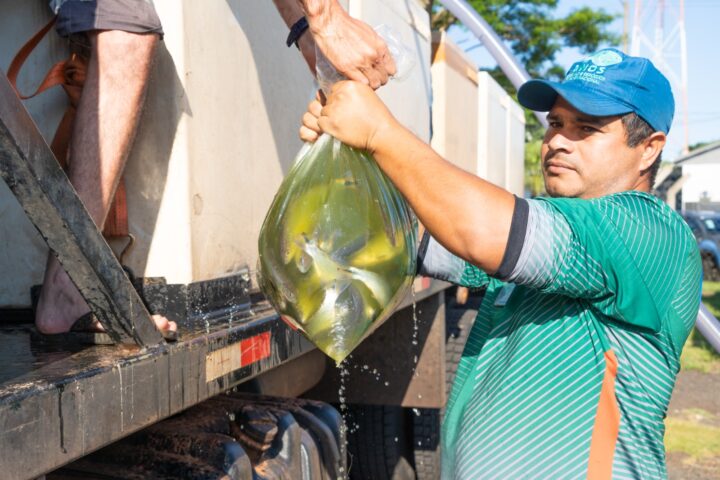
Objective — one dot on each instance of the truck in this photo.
(240, 395)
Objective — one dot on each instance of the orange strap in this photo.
(607, 424)
(70, 74)
(54, 76)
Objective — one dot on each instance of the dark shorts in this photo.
(135, 16)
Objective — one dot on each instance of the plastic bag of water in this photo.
(337, 248)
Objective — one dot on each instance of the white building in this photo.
(701, 178)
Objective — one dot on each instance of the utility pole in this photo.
(658, 33)
(626, 22)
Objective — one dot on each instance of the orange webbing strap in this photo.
(607, 424)
(55, 75)
(70, 74)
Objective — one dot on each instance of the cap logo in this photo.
(605, 58)
(592, 70)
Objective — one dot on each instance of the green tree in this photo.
(536, 35)
(698, 146)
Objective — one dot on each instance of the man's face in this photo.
(588, 157)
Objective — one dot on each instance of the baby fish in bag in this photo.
(337, 248)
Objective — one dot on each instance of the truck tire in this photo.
(427, 421)
(377, 443)
(426, 443)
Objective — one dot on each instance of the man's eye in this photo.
(555, 124)
(588, 129)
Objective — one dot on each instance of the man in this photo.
(591, 294)
(121, 36)
(350, 45)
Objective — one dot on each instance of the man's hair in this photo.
(637, 130)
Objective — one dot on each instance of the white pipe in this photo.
(709, 327)
(510, 66)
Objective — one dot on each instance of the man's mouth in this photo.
(558, 167)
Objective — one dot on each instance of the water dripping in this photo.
(415, 330)
(414, 314)
(344, 373)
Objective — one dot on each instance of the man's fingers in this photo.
(382, 74)
(309, 120)
(314, 108)
(357, 75)
(324, 121)
(374, 78)
(389, 63)
(308, 135)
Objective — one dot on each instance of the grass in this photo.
(687, 434)
(698, 354)
(711, 297)
(693, 431)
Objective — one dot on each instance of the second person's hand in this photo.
(351, 46)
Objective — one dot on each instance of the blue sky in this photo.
(703, 39)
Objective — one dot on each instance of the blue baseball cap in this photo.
(608, 83)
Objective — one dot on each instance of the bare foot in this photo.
(163, 324)
(61, 304)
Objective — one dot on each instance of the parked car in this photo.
(706, 227)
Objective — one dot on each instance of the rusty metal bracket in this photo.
(30, 169)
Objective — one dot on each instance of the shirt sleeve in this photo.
(436, 261)
(573, 247)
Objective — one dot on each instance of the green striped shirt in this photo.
(570, 365)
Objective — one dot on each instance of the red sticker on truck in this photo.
(238, 355)
(255, 348)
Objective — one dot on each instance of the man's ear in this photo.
(652, 146)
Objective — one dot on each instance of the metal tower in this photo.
(658, 33)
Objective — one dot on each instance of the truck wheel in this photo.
(426, 443)
(427, 421)
(377, 443)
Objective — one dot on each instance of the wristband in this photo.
(296, 31)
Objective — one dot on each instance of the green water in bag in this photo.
(337, 248)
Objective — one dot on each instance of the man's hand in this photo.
(350, 45)
(310, 130)
(353, 114)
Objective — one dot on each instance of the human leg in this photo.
(105, 126)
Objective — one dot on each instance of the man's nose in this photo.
(557, 141)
